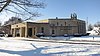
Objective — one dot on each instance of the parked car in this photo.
(77, 35)
(1, 34)
(8, 35)
(39, 34)
(65, 35)
(53, 35)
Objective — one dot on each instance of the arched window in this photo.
(53, 32)
(42, 29)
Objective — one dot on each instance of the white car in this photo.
(65, 35)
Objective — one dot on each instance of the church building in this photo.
(56, 26)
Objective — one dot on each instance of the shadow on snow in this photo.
(36, 52)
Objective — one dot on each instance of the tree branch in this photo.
(26, 10)
(7, 3)
(14, 11)
(3, 1)
(22, 7)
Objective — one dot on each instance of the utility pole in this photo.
(87, 23)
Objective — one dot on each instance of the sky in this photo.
(85, 9)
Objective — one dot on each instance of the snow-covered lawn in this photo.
(95, 38)
(19, 47)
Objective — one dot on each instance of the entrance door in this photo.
(30, 32)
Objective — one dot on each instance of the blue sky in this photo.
(63, 9)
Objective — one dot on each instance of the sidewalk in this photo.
(88, 42)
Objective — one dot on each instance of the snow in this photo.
(95, 38)
(23, 47)
(95, 31)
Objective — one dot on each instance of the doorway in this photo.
(30, 32)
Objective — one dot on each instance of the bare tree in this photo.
(4, 5)
(22, 7)
(90, 27)
(97, 24)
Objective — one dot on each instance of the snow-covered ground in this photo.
(95, 38)
(23, 47)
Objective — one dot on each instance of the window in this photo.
(57, 23)
(65, 23)
(61, 24)
(16, 25)
(53, 24)
(69, 27)
(53, 31)
(42, 29)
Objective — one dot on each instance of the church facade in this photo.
(57, 27)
